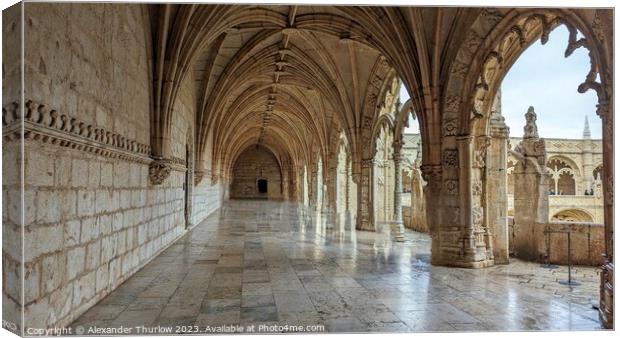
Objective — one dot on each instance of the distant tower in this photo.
(586, 129)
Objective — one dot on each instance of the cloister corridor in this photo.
(265, 262)
(201, 164)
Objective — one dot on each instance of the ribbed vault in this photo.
(268, 74)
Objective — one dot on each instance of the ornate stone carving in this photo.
(480, 153)
(451, 158)
(452, 187)
(431, 173)
(532, 145)
(492, 16)
(472, 42)
(198, 176)
(450, 127)
(49, 126)
(597, 27)
(459, 68)
(518, 31)
(476, 187)
(477, 213)
(453, 104)
(159, 170)
(531, 129)
(368, 163)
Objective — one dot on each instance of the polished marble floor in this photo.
(259, 262)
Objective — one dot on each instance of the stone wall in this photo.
(551, 239)
(11, 235)
(253, 164)
(207, 198)
(94, 222)
(91, 217)
(91, 61)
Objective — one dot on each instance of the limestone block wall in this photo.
(11, 56)
(207, 198)
(91, 217)
(11, 235)
(254, 164)
(92, 223)
(11, 156)
(91, 61)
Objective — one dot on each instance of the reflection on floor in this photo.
(259, 262)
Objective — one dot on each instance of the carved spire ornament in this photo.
(531, 129)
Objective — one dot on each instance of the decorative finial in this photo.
(530, 130)
(586, 129)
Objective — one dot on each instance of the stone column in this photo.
(364, 206)
(397, 226)
(330, 182)
(312, 190)
(496, 188)
(472, 254)
(432, 175)
(284, 183)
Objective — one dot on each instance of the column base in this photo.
(454, 257)
(501, 260)
(397, 231)
(463, 264)
(364, 225)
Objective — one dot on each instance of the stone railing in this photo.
(587, 242)
(550, 240)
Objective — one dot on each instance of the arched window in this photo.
(562, 180)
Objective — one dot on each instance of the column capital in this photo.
(367, 163)
(431, 172)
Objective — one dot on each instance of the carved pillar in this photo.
(496, 188)
(476, 249)
(284, 183)
(432, 175)
(325, 198)
(347, 187)
(351, 194)
(364, 201)
(531, 197)
(331, 181)
(312, 190)
(397, 226)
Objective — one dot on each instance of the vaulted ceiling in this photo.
(293, 78)
(290, 77)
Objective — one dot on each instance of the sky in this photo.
(542, 77)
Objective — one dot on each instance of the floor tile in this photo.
(254, 262)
